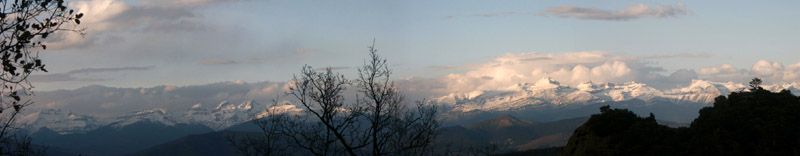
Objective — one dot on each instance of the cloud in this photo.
(79, 75)
(770, 72)
(720, 69)
(219, 61)
(570, 68)
(111, 101)
(776, 71)
(633, 12)
(185, 2)
(107, 19)
(764, 67)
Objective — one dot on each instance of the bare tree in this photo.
(376, 123)
(24, 24)
(394, 128)
(329, 126)
(270, 141)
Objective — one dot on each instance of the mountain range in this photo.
(548, 100)
(542, 101)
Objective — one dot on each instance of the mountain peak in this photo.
(223, 104)
(158, 115)
(586, 86)
(196, 106)
(547, 82)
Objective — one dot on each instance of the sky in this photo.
(454, 46)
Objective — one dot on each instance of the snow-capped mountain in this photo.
(224, 114)
(158, 115)
(547, 92)
(704, 91)
(63, 122)
(546, 98)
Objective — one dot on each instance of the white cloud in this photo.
(81, 74)
(97, 14)
(764, 67)
(572, 68)
(770, 72)
(107, 20)
(633, 12)
(721, 69)
(569, 68)
(776, 71)
(183, 2)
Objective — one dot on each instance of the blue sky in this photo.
(191, 42)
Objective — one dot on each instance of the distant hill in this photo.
(208, 144)
(477, 135)
(743, 123)
(117, 139)
(507, 133)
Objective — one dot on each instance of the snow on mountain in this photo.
(793, 87)
(547, 92)
(704, 91)
(224, 114)
(542, 94)
(158, 115)
(63, 122)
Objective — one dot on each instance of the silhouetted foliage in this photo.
(271, 141)
(24, 24)
(755, 84)
(758, 122)
(377, 123)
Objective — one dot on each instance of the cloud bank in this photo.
(572, 68)
(107, 20)
(633, 12)
(770, 72)
(79, 75)
(111, 101)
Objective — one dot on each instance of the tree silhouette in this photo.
(758, 122)
(755, 84)
(24, 24)
(394, 129)
(376, 123)
(270, 141)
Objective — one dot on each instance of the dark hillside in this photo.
(744, 123)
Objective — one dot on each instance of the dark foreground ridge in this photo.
(744, 123)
